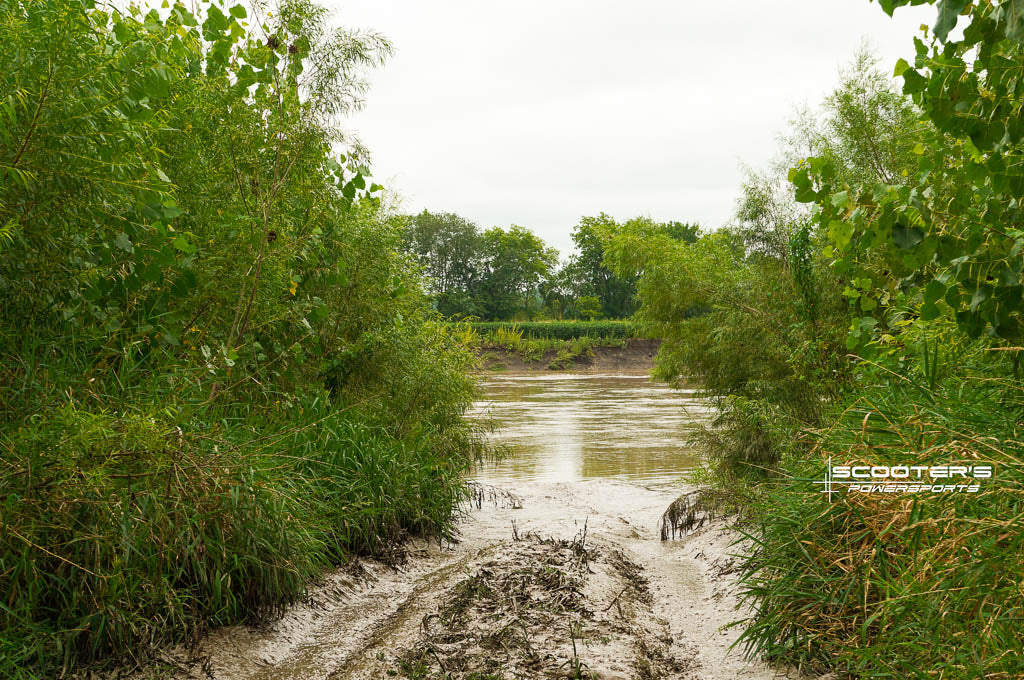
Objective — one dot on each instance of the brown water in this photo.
(567, 428)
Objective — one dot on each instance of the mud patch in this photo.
(548, 580)
(541, 608)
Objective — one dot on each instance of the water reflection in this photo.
(570, 427)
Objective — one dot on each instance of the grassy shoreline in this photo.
(553, 330)
(127, 530)
(550, 345)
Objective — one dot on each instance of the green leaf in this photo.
(901, 66)
(92, 293)
(184, 283)
(152, 272)
(906, 237)
(122, 241)
(156, 87)
(1010, 16)
(840, 233)
(237, 11)
(1010, 276)
(121, 32)
(980, 295)
(166, 256)
(889, 6)
(934, 291)
(182, 244)
(929, 311)
(913, 81)
(171, 211)
(1018, 245)
(216, 23)
(949, 11)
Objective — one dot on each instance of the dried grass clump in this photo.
(693, 510)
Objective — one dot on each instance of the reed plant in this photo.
(900, 585)
(124, 531)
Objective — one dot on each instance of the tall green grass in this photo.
(121, 532)
(900, 585)
(135, 513)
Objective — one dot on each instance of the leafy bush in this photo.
(219, 375)
(508, 337)
(880, 327)
(767, 366)
(572, 351)
(899, 585)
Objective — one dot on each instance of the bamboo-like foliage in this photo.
(219, 375)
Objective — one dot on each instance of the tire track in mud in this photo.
(392, 627)
(536, 607)
(575, 582)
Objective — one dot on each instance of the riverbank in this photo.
(628, 356)
(547, 577)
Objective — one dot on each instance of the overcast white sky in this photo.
(536, 113)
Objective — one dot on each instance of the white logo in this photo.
(904, 478)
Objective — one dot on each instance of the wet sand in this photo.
(558, 569)
(678, 601)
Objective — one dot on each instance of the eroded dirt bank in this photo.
(636, 357)
(569, 580)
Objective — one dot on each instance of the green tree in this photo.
(516, 262)
(588, 307)
(450, 250)
(687, 232)
(587, 271)
(947, 221)
(755, 312)
(558, 293)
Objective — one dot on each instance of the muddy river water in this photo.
(558, 570)
(567, 428)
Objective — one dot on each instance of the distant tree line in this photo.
(498, 274)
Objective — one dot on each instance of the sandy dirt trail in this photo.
(570, 581)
